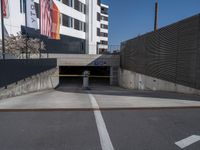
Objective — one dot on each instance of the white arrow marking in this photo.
(188, 141)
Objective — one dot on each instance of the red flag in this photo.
(45, 17)
(49, 19)
(5, 8)
(55, 33)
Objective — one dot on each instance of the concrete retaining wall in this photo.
(132, 80)
(42, 81)
(13, 70)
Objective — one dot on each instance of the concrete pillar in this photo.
(91, 28)
(86, 75)
(113, 75)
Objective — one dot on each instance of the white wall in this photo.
(16, 19)
(92, 25)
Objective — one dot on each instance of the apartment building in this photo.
(103, 47)
(83, 26)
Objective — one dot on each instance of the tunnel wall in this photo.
(133, 80)
(171, 54)
(34, 83)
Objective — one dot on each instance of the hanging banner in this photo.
(49, 19)
(45, 18)
(6, 13)
(31, 14)
(55, 14)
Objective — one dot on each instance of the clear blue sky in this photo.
(129, 18)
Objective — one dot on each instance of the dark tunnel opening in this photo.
(99, 75)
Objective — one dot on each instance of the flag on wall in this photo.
(31, 14)
(49, 19)
(5, 9)
(55, 33)
(45, 18)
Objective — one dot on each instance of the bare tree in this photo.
(20, 44)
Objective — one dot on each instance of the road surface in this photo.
(104, 118)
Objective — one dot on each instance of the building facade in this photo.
(83, 27)
(103, 47)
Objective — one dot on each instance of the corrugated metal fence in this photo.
(171, 53)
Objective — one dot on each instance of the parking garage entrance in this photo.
(73, 75)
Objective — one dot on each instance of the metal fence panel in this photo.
(171, 53)
(14, 70)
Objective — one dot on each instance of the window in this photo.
(22, 6)
(104, 42)
(76, 24)
(104, 10)
(98, 17)
(70, 22)
(98, 32)
(67, 21)
(103, 26)
(76, 4)
(84, 8)
(104, 18)
(104, 34)
(84, 27)
(99, 2)
(79, 6)
(68, 2)
(102, 51)
(81, 26)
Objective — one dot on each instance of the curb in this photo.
(94, 109)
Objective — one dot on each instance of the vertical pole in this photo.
(156, 16)
(2, 30)
(40, 25)
(26, 30)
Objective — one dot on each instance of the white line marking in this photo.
(188, 141)
(106, 143)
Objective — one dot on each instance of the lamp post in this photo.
(156, 16)
(2, 30)
(26, 30)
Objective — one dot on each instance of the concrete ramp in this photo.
(107, 97)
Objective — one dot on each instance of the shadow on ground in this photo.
(101, 87)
